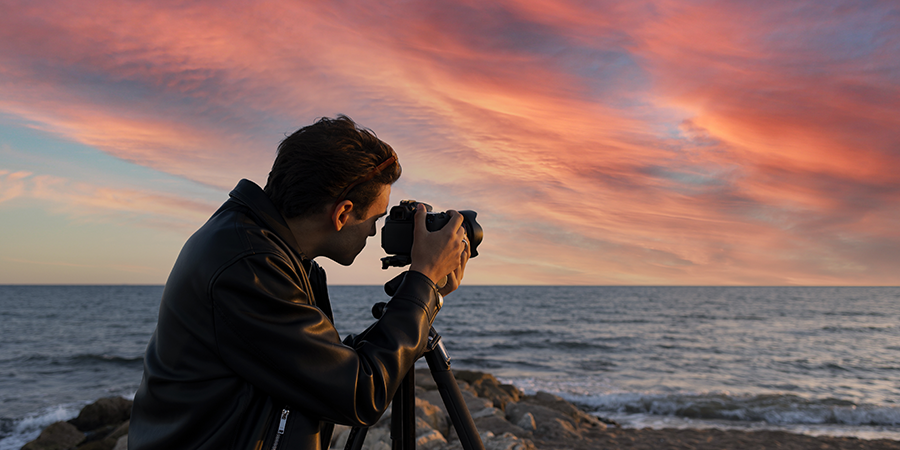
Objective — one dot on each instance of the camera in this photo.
(397, 233)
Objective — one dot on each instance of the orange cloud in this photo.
(641, 143)
(83, 201)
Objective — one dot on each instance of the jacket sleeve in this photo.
(268, 333)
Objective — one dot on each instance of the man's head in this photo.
(329, 161)
(331, 181)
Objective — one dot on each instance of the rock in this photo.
(486, 386)
(103, 412)
(122, 443)
(432, 440)
(57, 436)
(475, 403)
(505, 441)
(378, 439)
(120, 431)
(435, 417)
(428, 438)
(489, 411)
(526, 422)
(554, 419)
(425, 380)
(339, 437)
(581, 418)
(472, 401)
(500, 426)
(433, 397)
(102, 444)
(98, 434)
(549, 423)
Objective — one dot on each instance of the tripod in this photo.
(403, 416)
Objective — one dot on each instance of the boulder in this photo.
(122, 443)
(549, 423)
(499, 426)
(552, 418)
(434, 416)
(101, 444)
(526, 422)
(489, 411)
(104, 412)
(580, 418)
(57, 436)
(487, 386)
(120, 431)
(428, 438)
(505, 441)
(425, 380)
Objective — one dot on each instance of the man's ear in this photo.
(340, 215)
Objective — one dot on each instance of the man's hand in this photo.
(455, 278)
(440, 253)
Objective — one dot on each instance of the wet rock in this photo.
(104, 412)
(57, 436)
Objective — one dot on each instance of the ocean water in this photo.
(816, 360)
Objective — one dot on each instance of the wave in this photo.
(18, 432)
(776, 409)
(550, 344)
(89, 357)
(75, 360)
(860, 329)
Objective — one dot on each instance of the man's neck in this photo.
(310, 232)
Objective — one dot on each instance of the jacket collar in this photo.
(252, 196)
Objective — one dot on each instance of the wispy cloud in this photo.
(663, 142)
(86, 202)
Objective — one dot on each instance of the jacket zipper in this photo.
(281, 426)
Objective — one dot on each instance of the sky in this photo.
(670, 142)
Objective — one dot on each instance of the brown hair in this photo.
(315, 164)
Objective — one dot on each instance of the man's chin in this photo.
(343, 261)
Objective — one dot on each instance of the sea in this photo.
(811, 360)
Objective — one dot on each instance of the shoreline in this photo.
(505, 417)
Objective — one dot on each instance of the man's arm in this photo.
(270, 335)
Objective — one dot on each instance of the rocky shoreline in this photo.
(506, 419)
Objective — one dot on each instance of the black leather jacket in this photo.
(245, 339)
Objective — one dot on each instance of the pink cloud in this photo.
(648, 142)
(82, 201)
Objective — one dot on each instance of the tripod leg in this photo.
(456, 406)
(403, 414)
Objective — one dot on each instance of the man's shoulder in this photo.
(229, 235)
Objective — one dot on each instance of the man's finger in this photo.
(420, 218)
(456, 220)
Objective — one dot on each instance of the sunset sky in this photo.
(666, 142)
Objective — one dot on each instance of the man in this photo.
(245, 354)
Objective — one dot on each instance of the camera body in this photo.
(397, 233)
